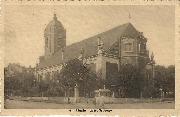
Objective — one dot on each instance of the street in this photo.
(17, 104)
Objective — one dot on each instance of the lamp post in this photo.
(160, 92)
(68, 92)
(34, 84)
(76, 88)
(57, 85)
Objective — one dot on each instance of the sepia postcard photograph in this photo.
(89, 57)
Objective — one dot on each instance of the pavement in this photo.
(19, 104)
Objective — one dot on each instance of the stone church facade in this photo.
(115, 47)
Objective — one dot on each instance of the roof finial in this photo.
(82, 50)
(55, 18)
(100, 46)
(129, 16)
(82, 53)
(152, 56)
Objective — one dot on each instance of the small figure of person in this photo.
(94, 101)
(87, 98)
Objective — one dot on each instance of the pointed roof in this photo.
(90, 45)
(54, 23)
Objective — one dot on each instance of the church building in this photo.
(110, 49)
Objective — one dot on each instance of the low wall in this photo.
(131, 100)
(72, 99)
(60, 99)
(140, 100)
(90, 100)
(17, 98)
(104, 99)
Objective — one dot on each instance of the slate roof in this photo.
(90, 45)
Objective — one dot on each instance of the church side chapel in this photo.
(105, 52)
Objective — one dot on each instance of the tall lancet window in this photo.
(142, 47)
(47, 42)
(139, 48)
(59, 40)
(50, 46)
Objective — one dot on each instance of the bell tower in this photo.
(55, 37)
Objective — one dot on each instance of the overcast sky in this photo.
(24, 28)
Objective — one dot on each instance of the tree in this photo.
(28, 82)
(75, 73)
(114, 83)
(132, 81)
(170, 82)
(18, 80)
(12, 81)
(164, 79)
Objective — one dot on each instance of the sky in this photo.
(25, 24)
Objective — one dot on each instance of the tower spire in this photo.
(55, 18)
